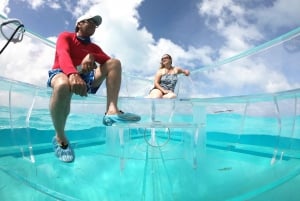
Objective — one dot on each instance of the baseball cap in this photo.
(96, 18)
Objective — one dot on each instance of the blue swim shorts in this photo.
(87, 77)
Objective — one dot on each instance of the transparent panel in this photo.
(244, 146)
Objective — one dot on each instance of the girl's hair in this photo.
(165, 55)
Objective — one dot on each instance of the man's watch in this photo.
(79, 68)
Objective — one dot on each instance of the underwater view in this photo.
(180, 150)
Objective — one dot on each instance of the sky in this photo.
(197, 33)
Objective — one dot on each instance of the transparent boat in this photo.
(239, 147)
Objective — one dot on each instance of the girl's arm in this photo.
(183, 71)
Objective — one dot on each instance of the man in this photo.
(80, 67)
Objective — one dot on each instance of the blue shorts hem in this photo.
(87, 77)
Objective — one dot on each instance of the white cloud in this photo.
(36, 4)
(4, 9)
(282, 13)
(27, 61)
(54, 5)
(237, 75)
(231, 20)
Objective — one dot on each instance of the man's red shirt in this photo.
(70, 52)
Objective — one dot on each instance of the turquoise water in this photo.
(231, 166)
(235, 148)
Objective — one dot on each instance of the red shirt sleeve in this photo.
(70, 52)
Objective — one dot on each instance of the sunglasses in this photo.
(166, 57)
(91, 21)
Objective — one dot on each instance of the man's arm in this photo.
(63, 53)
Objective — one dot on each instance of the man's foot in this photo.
(110, 119)
(64, 153)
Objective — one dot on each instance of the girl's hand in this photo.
(166, 91)
(186, 72)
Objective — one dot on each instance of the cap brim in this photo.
(96, 18)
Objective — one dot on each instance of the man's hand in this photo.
(78, 86)
(88, 63)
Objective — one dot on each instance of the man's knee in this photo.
(113, 64)
(60, 84)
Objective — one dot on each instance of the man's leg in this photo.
(111, 70)
(60, 105)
